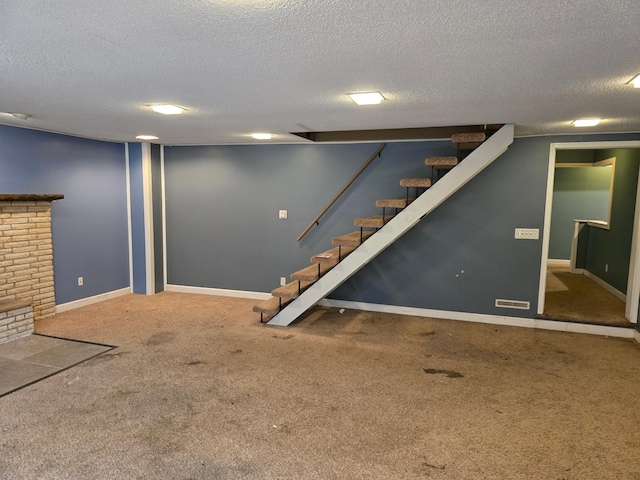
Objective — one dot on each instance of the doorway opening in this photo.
(590, 270)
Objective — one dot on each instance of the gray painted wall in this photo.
(222, 206)
(223, 230)
(463, 256)
(90, 224)
(613, 247)
(578, 193)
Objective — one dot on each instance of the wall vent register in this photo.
(518, 304)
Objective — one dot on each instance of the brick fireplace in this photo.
(26, 263)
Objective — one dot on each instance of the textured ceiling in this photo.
(90, 68)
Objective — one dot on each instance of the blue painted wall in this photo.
(463, 256)
(222, 206)
(223, 231)
(90, 224)
(578, 193)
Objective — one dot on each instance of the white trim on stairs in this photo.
(620, 332)
(83, 302)
(473, 164)
(218, 291)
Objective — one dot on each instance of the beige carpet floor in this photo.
(198, 389)
(577, 298)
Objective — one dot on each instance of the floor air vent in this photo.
(513, 304)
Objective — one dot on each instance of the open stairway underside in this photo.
(352, 252)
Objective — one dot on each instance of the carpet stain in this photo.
(105, 357)
(239, 350)
(196, 362)
(160, 338)
(431, 470)
(124, 393)
(286, 337)
(426, 334)
(448, 373)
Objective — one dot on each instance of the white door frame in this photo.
(633, 284)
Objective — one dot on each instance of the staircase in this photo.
(353, 251)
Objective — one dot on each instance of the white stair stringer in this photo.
(471, 166)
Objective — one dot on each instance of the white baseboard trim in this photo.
(485, 318)
(606, 286)
(557, 262)
(221, 292)
(426, 312)
(83, 302)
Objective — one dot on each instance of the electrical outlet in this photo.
(282, 214)
(283, 281)
(606, 267)
(80, 281)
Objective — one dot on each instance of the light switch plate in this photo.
(527, 233)
(282, 214)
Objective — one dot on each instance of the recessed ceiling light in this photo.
(167, 109)
(262, 136)
(586, 122)
(369, 98)
(147, 137)
(635, 81)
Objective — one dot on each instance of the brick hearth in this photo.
(26, 263)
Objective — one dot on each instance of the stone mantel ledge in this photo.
(30, 197)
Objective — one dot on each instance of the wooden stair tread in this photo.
(291, 290)
(415, 182)
(310, 273)
(441, 162)
(352, 239)
(472, 137)
(394, 202)
(269, 306)
(376, 221)
(333, 256)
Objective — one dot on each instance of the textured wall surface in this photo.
(281, 66)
